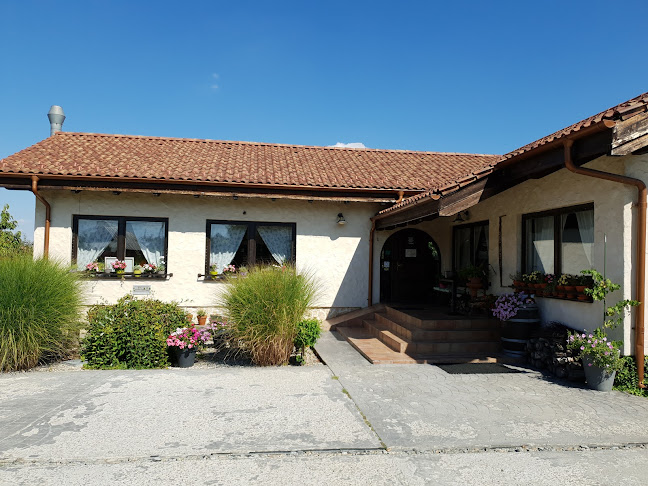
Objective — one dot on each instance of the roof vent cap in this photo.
(56, 119)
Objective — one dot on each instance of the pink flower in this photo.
(582, 348)
(589, 364)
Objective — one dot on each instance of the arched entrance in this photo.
(410, 266)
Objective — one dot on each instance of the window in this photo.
(558, 241)
(470, 245)
(106, 238)
(241, 243)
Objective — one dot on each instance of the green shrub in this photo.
(627, 379)
(130, 334)
(264, 310)
(308, 332)
(40, 303)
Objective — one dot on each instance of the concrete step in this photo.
(411, 332)
(440, 321)
(384, 334)
(374, 350)
(474, 348)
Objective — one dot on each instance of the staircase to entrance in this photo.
(388, 334)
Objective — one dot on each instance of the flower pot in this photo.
(185, 358)
(597, 378)
(189, 317)
(137, 273)
(202, 320)
(120, 272)
(560, 289)
(580, 289)
(213, 274)
(474, 284)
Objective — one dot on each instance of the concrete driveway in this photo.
(345, 423)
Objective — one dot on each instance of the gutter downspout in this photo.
(640, 250)
(401, 196)
(48, 214)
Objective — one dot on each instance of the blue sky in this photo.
(462, 76)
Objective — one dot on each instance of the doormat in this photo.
(476, 368)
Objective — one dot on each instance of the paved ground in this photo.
(425, 408)
(316, 425)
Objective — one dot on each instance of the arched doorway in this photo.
(410, 266)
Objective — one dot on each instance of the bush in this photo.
(308, 332)
(40, 303)
(130, 334)
(627, 379)
(264, 310)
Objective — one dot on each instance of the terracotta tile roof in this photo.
(175, 159)
(626, 109)
(637, 104)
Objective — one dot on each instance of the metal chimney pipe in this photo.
(56, 118)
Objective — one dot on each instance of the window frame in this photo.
(251, 239)
(456, 229)
(555, 213)
(121, 234)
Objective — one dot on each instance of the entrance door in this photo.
(410, 266)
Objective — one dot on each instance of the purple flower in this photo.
(582, 348)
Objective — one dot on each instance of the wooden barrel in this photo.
(517, 330)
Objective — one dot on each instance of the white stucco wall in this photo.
(613, 215)
(336, 255)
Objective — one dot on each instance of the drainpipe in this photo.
(48, 214)
(641, 247)
(401, 196)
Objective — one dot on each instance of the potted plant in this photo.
(92, 268)
(183, 344)
(563, 280)
(519, 316)
(584, 281)
(137, 271)
(119, 266)
(161, 269)
(518, 284)
(475, 275)
(229, 270)
(149, 268)
(601, 356)
(201, 314)
(213, 270)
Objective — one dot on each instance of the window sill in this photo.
(217, 278)
(589, 300)
(128, 276)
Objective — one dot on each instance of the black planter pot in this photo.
(184, 358)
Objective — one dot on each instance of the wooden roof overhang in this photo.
(606, 137)
(22, 181)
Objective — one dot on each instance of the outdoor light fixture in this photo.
(116, 193)
(340, 219)
(235, 197)
(461, 217)
(156, 194)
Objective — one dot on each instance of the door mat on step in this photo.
(477, 368)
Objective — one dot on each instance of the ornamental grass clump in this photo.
(263, 311)
(40, 304)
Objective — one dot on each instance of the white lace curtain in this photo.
(94, 236)
(225, 242)
(149, 236)
(278, 239)
(586, 229)
(541, 244)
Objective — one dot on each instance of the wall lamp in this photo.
(340, 219)
(116, 193)
(461, 217)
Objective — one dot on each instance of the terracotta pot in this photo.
(570, 290)
(474, 284)
(189, 317)
(202, 320)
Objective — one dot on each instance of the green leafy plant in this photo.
(473, 271)
(264, 311)
(602, 352)
(131, 333)
(11, 242)
(40, 305)
(201, 313)
(627, 378)
(308, 332)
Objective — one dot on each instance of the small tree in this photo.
(11, 243)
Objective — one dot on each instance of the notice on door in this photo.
(410, 252)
